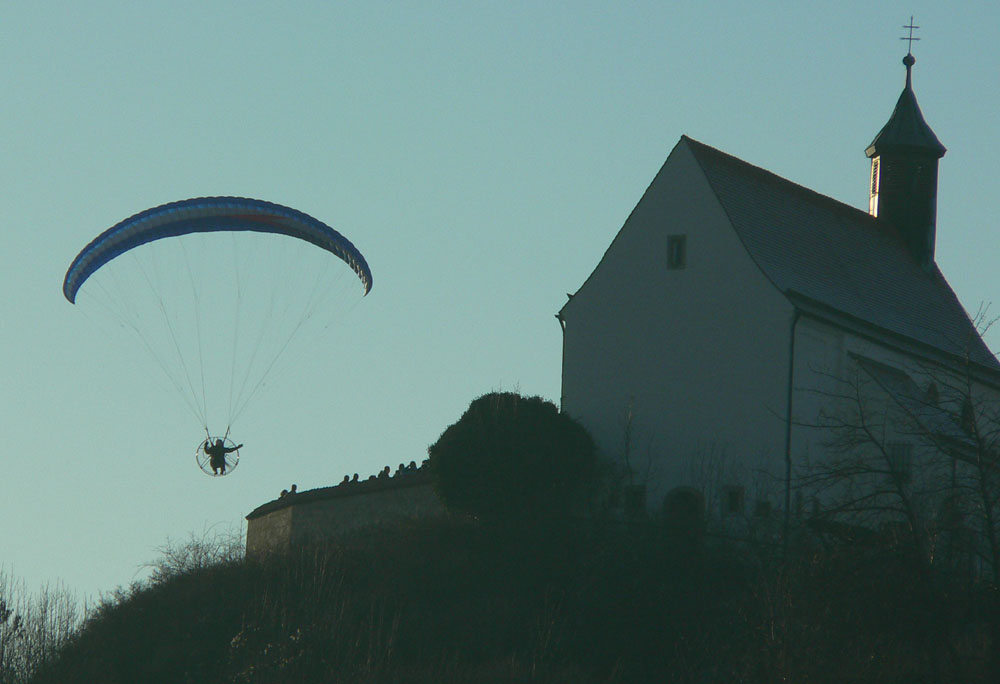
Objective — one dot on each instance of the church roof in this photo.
(815, 248)
(906, 130)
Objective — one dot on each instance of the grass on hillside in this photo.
(558, 603)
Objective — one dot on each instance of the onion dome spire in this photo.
(906, 127)
(905, 156)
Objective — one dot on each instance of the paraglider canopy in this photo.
(217, 289)
(204, 215)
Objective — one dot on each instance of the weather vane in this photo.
(910, 38)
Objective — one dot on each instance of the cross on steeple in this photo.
(910, 38)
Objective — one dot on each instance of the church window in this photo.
(733, 500)
(968, 418)
(873, 196)
(635, 501)
(900, 457)
(676, 251)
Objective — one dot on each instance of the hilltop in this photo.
(567, 602)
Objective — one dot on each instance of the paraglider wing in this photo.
(210, 214)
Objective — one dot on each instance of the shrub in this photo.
(510, 457)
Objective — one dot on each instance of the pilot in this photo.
(217, 455)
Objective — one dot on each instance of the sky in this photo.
(481, 155)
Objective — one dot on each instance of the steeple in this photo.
(905, 157)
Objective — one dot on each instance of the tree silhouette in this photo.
(510, 457)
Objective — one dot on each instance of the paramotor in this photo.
(216, 288)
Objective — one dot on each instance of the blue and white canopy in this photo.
(210, 214)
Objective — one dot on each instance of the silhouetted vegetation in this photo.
(913, 457)
(460, 602)
(547, 598)
(510, 457)
(33, 627)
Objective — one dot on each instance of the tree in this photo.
(511, 456)
(914, 454)
(918, 452)
(34, 627)
(212, 548)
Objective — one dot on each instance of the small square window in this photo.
(733, 500)
(676, 251)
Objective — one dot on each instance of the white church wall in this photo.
(829, 370)
(696, 356)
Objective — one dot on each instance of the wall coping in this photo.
(342, 490)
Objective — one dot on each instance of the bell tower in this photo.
(905, 157)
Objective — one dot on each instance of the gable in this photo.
(690, 358)
(635, 270)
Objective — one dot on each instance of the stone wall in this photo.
(317, 515)
(270, 532)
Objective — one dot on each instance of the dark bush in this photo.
(510, 457)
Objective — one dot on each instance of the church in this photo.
(737, 322)
(753, 353)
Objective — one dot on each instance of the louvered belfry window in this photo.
(873, 198)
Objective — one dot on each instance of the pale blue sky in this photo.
(481, 155)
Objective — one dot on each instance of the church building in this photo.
(715, 336)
